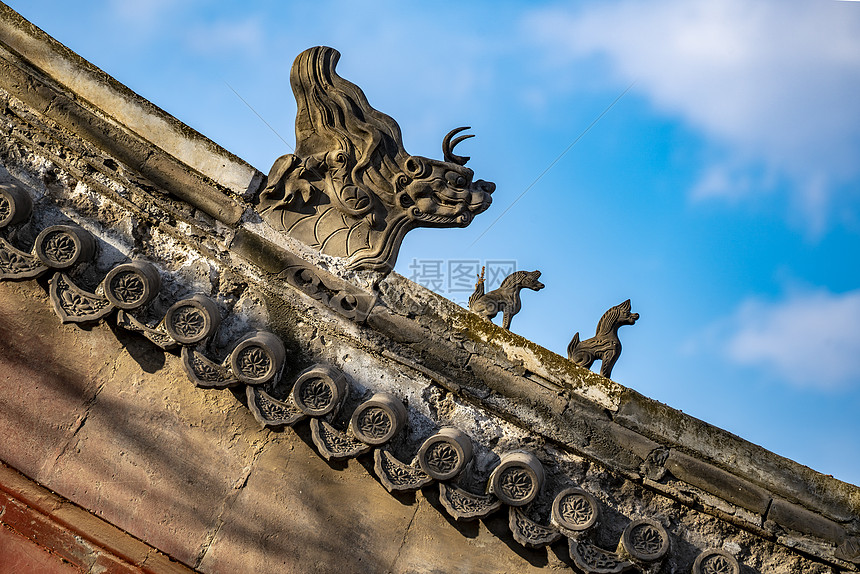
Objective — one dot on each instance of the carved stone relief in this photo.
(445, 454)
(132, 285)
(333, 444)
(442, 459)
(518, 478)
(15, 264)
(644, 540)
(271, 412)
(351, 189)
(642, 547)
(319, 390)
(16, 206)
(338, 295)
(574, 511)
(353, 306)
(528, 532)
(654, 465)
(62, 246)
(157, 334)
(377, 420)
(515, 485)
(464, 505)
(258, 358)
(375, 425)
(205, 373)
(6, 210)
(73, 304)
(193, 320)
(396, 476)
(594, 560)
(715, 561)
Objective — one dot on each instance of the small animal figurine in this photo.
(605, 345)
(506, 298)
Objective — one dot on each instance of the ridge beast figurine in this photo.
(506, 298)
(605, 344)
(351, 189)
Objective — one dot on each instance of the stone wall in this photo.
(101, 414)
(192, 473)
(46, 534)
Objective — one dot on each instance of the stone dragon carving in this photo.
(351, 189)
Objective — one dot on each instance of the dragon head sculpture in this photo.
(351, 189)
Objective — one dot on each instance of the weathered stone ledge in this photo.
(86, 101)
(549, 404)
(509, 365)
(757, 482)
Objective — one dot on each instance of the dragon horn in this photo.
(448, 146)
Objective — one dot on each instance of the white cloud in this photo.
(812, 338)
(228, 37)
(728, 181)
(142, 13)
(775, 84)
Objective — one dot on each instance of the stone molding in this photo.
(257, 360)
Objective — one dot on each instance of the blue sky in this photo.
(721, 193)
